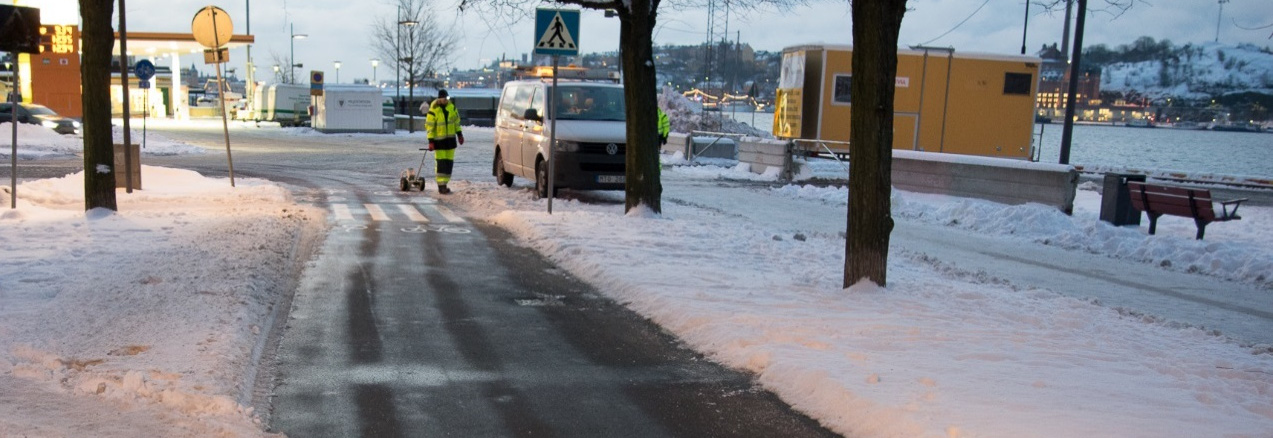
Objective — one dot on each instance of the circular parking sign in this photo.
(144, 70)
(316, 77)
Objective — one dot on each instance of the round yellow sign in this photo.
(211, 27)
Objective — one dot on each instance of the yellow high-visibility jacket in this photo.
(442, 121)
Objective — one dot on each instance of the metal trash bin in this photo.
(1116, 199)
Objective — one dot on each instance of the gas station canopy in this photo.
(159, 43)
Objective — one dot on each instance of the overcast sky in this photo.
(339, 30)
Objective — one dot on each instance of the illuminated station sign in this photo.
(58, 39)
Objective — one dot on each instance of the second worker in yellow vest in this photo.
(442, 125)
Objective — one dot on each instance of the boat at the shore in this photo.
(1237, 127)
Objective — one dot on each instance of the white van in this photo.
(591, 134)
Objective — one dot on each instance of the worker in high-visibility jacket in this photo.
(665, 127)
(442, 125)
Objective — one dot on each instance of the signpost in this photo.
(212, 28)
(144, 71)
(556, 34)
(19, 33)
(315, 90)
(315, 83)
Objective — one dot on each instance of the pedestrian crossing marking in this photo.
(342, 212)
(377, 213)
(412, 213)
(448, 214)
(415, 212)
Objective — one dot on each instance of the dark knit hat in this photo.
(442, 93)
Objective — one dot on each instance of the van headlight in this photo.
(49, 124)
(76, 124)
(568, 146)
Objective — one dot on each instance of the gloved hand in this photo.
(662, 139)
(430, 144)
(460, 136)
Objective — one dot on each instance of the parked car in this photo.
(37, 114)
(591, 135)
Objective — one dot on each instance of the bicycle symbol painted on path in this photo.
(421, 229)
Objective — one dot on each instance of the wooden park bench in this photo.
(1157, 200)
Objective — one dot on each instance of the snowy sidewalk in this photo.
(752, 278)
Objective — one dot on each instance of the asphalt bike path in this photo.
(412, 321)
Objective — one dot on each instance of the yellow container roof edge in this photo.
(909, 51)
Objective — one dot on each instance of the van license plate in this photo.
(610, 179)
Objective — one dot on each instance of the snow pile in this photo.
(157, 309)
(36, 141)
(686, 117)
(1230, 252)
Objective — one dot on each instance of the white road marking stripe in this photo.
(377, 214)
(448, 214)
(412, 213)
(342, 212)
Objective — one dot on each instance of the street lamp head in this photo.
(375, 63)
(408, 23)
(299, 65)
(299, 36)
(337, 64)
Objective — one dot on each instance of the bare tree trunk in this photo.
(644, 186)
(876, 25)
(99, 154)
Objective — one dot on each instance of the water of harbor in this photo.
(1248, 154)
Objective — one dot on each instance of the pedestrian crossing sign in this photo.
(557, 32)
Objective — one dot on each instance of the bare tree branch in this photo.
(421, 45)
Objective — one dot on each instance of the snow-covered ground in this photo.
(146, 321)
(37, 142)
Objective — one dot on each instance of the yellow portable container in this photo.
(959, 103)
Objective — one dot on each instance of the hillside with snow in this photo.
(1192, 72)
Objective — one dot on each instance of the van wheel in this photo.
(541, 179)
(502, 177)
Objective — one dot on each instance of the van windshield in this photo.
(590, 103)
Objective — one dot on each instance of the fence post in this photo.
(788, 162)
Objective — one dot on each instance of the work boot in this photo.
(443, 190)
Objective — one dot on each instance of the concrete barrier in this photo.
(677, 142)
(713, 146)
(766, 155)
(993, 179)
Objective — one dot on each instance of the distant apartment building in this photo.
(1054, 80)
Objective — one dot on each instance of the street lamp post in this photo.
(374, 63)
(410, 93)
(337, 72)
(292, 70)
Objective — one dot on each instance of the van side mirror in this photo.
(533, 114)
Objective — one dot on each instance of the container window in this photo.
(1017, 83)
(843, 89)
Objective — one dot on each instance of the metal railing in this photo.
(690, 152)
(817, 146)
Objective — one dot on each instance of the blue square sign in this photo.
(557, 32)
